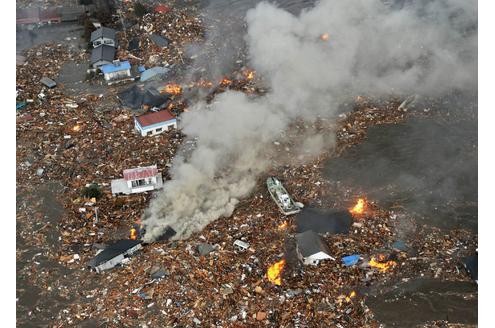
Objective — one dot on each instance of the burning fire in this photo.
(76, 128)
(381, 264)
(274, 272)
(359, 207)
(225, 82)
(325, 37)
(133, 234)
(350, 297)
(248, 74)
(283, 225)
(173, 89)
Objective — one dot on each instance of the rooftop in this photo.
(115, 67)
(103, 32)
(153, 118)
(103, 52)
(310, 243)
(120, 247)
(140, 172)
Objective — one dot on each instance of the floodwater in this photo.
(415, 302)
(429, 169)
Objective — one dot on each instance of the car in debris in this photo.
(114, 254)
(281, 197)
(241, 245)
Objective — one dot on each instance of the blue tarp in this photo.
(350, 260)
(153, 72)
(20, 105)
(110, 68)
(141, 68)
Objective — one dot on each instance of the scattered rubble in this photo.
(77, 142)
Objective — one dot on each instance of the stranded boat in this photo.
(285, 203)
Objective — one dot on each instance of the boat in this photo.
(281, 197)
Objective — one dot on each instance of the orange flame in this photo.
(274, 272)
(133, 234)
(173, 89)
(325, 37)
(283, 225)
(225, 82)
(380, 265)
(359, 207)
(76, 128)
(248, 74)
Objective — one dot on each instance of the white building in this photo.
(137, 180)
(311, 249)
(103, 36)
(116, 71)
(154, 123)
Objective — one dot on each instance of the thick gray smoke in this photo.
(426, 48)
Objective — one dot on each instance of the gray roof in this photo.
(159, 40)
(103, 32)
(48, 82)
(102, 52)
(114, 250)
(309, 243)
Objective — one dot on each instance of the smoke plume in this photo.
(425, 47)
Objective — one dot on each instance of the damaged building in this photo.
(114, 255)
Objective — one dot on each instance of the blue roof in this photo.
(110, 68)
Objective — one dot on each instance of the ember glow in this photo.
(359, 207)
(248, 74)
(133, 234)
(274, 272)
(173, 89)
(325, 37)
(76, 128)
(283, 225)
(350, 297)
(225, 82)
(381, 265)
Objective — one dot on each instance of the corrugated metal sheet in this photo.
(140, 173)
(153, 118)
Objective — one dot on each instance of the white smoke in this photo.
(426, 47)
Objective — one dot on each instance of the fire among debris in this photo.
(284, 225)
(133, 234)
(381, 264)
(325, 37)
(350, 297)
(248, 74)
(173, 89)
(274, 272)
(359, 208)
(76, 128)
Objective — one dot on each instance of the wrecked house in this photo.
(103, 36)
(116, 71)
(139, 97)
(114, 254)
(311, 249)
(331, 221)
(154, 73)
(138, 180)
(151, 124)
(102, 55)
